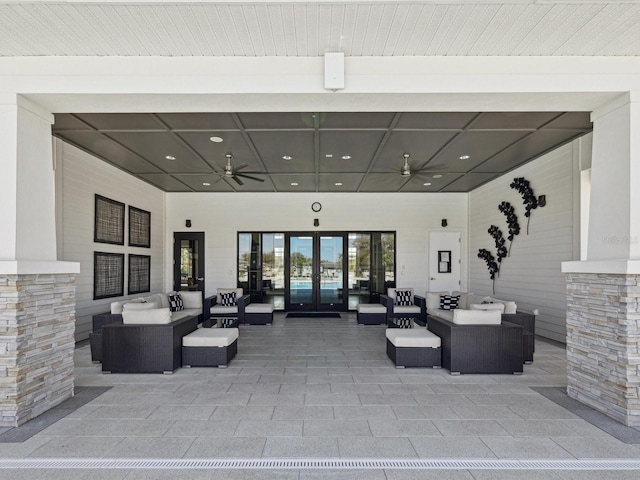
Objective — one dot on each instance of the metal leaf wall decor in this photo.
(528, 198)
(498, 238)
(512, 221)
(490, 260)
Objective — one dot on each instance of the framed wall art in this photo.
(108, 275)
(139, 227)
(139, 273)
(108, 221)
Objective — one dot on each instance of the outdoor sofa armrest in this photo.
(243, 301)
(388, 302)
(421, 302)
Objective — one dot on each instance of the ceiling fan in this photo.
(234, 173)
(406, 171)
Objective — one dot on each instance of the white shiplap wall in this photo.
(531, 275)
(79, 176)
(222, 215)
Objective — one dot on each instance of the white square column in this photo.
(37, 292)
(603, 292)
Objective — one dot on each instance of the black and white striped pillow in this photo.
(449, 302)
(228, 299)
(175, 302)
(403, 298)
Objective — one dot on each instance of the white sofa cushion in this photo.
(139, 306)
(463, 302)
(191, 299)
(488, 306)
(414, 337)
(433, 300)
(116, 307)
(210, 337)
(406, 309)
(222, 310)
(476, 317)
(443, 314)
(154, 316)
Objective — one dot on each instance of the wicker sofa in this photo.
(144, 348)
(508, 310)
(193, 306)
(477, 348)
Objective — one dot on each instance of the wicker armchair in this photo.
(479, 348)
(144, 348)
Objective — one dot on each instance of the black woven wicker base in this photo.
(372, 318)
(209, 356)
(414, 356)
(95, 343)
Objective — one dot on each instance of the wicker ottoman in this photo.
(371, 314)
(258, 314)
(209, 347)
(416, 347)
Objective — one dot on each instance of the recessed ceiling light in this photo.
(329, 155)
(464, 157)
(338, 184)
(437, 176)
(206, 184)
(170, 157)
(287, 157)
(216, 139)
(427, 184)
(346, 157)
(294, 184)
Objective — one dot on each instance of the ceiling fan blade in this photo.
(244, 175)
(240, 167)
(237, 180)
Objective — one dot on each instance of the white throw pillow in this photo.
(156, 316)
(463, 302)
(509, 307)
(488, 306)
(116, 307)
(139, 306)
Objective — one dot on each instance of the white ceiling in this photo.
(369, 28)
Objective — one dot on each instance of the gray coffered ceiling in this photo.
(495, 142)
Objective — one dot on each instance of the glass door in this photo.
(188, 261)
(299, 284)
(315, 272)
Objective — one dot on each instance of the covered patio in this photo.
(321, 390)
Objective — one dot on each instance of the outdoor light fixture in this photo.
(542, 200)
(316, 222)
(187, 224)
(444, 222)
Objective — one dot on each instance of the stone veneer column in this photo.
(37, 322)
(603, 343)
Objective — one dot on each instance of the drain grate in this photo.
(317, 464)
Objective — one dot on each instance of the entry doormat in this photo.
(313, 315)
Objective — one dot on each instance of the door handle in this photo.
(432, 278)
(200, 279)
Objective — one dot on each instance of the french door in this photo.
(315, 267)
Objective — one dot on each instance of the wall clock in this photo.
(316, 206)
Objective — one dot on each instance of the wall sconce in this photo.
(187, 224)
(316, 222)
(444, 222)
(542, 200)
